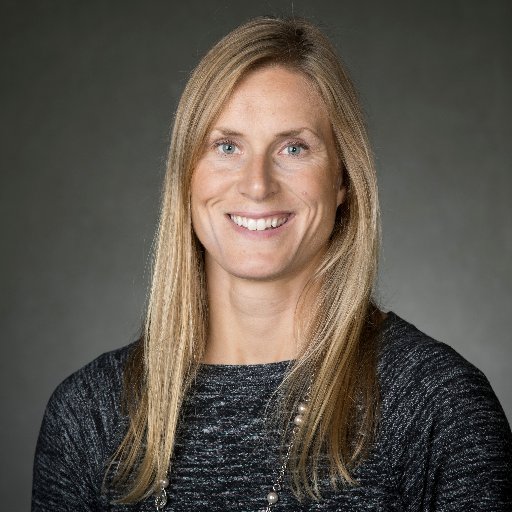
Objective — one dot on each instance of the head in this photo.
(301, 48)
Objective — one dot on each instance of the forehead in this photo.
(277, 92)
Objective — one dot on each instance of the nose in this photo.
(257, 180)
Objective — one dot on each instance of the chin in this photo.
(261, 275)
(256, 272)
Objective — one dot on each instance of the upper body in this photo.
(267, 251)
(443, 442)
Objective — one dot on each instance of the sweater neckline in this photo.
(242, 376)
(262, 373)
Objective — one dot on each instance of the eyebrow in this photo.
(226, 132)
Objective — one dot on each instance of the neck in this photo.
(251, 322)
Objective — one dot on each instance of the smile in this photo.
(260, 224)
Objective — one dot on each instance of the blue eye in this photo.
(294, 149)
(227, 148)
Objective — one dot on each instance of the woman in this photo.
(266, 377)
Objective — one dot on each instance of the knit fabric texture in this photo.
(443, 444)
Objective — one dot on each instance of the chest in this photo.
(227, 457)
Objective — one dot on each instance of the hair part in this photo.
(337, 337)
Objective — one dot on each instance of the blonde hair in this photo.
(339, 348)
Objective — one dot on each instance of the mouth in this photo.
(261, 223)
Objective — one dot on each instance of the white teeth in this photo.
(259, 224)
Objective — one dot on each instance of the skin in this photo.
(270, 154)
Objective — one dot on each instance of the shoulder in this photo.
(412, 362)
(87, 404)
(82, 426)
(426, 382)
(101, 379)
(435, 401)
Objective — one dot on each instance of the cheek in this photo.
(320, 194)
(209, 184)
(202, 190)
(207, 192)
(198, 199)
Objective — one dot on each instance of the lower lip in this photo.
(259, 235)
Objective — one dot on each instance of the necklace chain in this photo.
(273, 496)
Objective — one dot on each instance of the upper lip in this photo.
(260, 215)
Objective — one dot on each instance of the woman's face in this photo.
(266, 189)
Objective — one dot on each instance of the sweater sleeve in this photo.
(473, 448)
(81, 428)
(62, 476)
(455, 448)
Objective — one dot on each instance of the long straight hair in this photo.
(338, 346)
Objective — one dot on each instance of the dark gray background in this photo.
(88, 91)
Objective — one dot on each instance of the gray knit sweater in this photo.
(444, 443)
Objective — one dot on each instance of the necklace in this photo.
(273, 496)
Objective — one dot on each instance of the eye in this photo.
(226, 147)
(295, 149)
